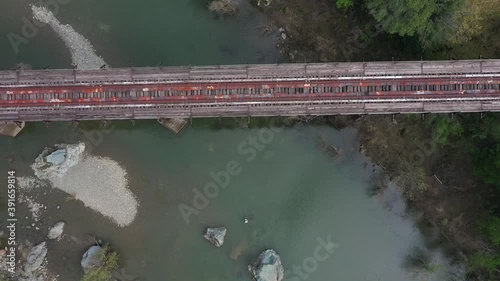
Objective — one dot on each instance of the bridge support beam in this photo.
(11, 129)
(173, 124)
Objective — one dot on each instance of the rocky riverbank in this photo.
(317, 31)
(438, 182)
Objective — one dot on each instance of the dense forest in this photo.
(439, 25)
(436, 23)
(467, 28)
(355, 30)
(479, 137)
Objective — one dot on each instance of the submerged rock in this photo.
(267, 267)
(216, 235)
(237, 251)
(35, 257)
(92, 258)
(56, 230)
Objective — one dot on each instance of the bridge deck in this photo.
(251, 90)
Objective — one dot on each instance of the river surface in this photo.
(293, 193)
(138, 33)
(297, 197)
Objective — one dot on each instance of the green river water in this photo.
(295, 195)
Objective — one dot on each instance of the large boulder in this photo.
(35, 257)
(54, 162)
(57, 157)
(92, 258)
(267, 267)
(56, 230)
(216, 235)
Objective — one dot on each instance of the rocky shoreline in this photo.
(447, 195)
(100, 183)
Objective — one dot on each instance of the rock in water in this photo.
(35, 257)
(56, 157)
(267, 267)
(54, 165)
(216, 235)
(92, 258)
(56, 230)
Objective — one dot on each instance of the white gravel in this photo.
(26, 185)
(100, 183)
(83, 55)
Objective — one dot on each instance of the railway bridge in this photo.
(250, 90)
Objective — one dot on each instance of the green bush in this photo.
(491, 228)
(344, 4)
(482, 261)
(487, 164)
(444, 128)
(105, 272)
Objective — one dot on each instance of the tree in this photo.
(488, 164)
(403, 17)
(485, 147)
(472, 18)
(491, 228)
(489, 263)
(344, 4)
(427, 19)
(445, 128)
